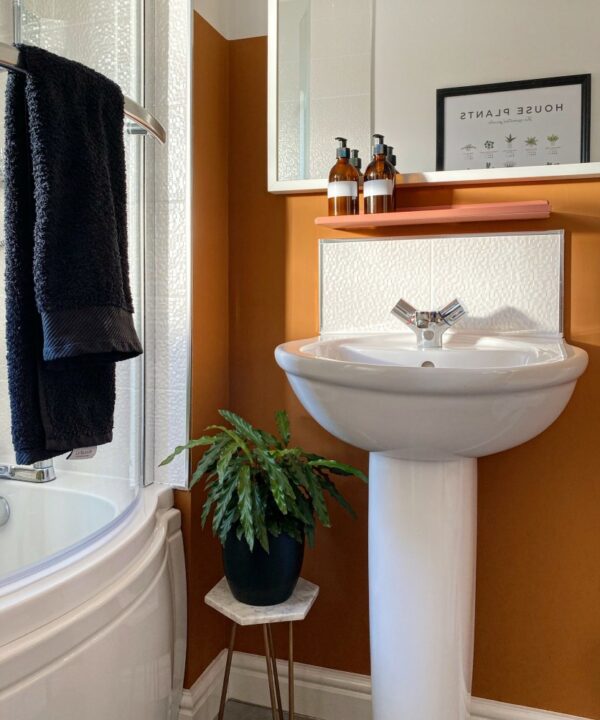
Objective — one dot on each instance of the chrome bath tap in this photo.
(428, 325)
(39, 472)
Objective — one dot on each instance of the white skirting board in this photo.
(319, 692)
(493, 710)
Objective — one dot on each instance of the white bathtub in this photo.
(92, 602)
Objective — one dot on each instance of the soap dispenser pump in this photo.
(379, 179)
(342, 189)
(391, 158)
(356, 162)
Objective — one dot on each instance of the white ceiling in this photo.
(235, 19)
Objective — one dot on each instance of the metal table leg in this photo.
(269, 671)
(275, 673)
(291, 673)
(227, 672)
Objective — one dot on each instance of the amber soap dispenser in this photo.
(342, 189)
(379, 180)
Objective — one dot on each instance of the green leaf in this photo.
(244, 490)
(293, 529)
(274, 528)
(209, 459)
(208, 503)
(316, 494)
(329, 487)
(270, 440)
(244, 428)
(228, 521)
(234, 436)
(260, 526)
(278, 480)
(283, 426)
(223, 463)
(301, 509)
(223, 507)
(339, 468)
(204, 440)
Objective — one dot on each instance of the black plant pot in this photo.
(259, 578)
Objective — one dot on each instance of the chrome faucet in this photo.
(428, 325)
(39, 472)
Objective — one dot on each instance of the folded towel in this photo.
(68, 300)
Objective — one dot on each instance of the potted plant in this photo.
(266, 498)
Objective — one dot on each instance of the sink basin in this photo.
(425, 415)
(475, 396)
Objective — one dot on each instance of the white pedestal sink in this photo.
(425, 416)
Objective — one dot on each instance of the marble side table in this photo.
(296, 608)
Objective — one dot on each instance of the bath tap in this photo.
(39, 472)
(428, 325)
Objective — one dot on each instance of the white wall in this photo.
(235, 19)
(422, 45)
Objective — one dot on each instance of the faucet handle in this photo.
(405, 311)
(452, 312)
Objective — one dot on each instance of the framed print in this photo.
(514, 124)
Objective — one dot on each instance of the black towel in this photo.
(68, 301)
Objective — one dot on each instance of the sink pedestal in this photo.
(422, 545)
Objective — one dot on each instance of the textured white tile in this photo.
(361, 281)
(508, 283)
(168, 252)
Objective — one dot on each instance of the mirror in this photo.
(351, 67)
(323, 76)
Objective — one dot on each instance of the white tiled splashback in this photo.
(509, 283)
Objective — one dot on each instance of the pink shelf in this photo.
(483, 212)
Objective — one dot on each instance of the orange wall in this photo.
(538, 588)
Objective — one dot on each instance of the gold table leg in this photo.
(269, 671)
(275, 673)
(227, 672)
(291, 673)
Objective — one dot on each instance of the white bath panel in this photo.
(101, 633)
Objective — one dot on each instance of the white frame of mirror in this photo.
(539, 173)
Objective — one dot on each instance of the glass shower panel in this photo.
(106, 35)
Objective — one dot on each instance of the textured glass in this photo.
(151, 392)
(105, 35)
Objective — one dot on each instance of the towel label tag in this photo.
(82, 453)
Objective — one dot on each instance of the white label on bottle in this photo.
(372, 188)
(343, 188)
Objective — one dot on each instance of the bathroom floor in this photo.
(236, 710)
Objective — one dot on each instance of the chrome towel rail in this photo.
(9, 59)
